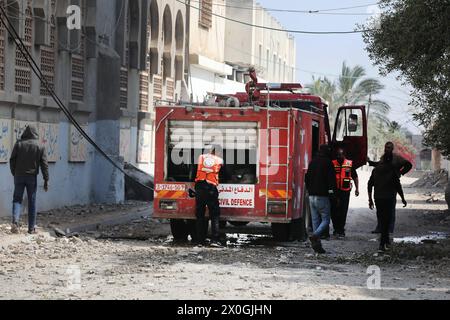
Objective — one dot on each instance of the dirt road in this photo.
(109, 263)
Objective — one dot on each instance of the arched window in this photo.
(2, 50)
(78, 63)
(48, 54)
(23, 69)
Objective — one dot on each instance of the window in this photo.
(48, 55)
(78, 65)
(274, 72)
(23, 69)
(260, 55)
(349, 124)
(205, 18)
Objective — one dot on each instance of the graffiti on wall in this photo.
(125, 144)
(78, 149)
(5, 140)
(48, 136)
(144, 146)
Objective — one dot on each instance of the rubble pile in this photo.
(437, 179)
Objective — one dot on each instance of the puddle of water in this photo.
(434, 236)
(247, 240)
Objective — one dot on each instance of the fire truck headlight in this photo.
(189, 109)
(168, 205)
(276, 208)
(256, 108)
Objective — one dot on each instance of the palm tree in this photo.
(352, 88)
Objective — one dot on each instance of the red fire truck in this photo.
(269, 135)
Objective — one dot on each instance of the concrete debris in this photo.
(438, 179)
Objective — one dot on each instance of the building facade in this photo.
(127, 55)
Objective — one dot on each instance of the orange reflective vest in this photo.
(208, 169)
(343, 175)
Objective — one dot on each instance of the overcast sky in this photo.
(320, 55)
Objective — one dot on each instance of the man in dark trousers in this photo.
(387, 185)
(345, 174)
(321, 185)
(207, 194)
(26, 158)
(401, 167)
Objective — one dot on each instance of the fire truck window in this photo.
(349, 124)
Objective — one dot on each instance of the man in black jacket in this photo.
(401, 166)
(321, 185)
(27, 156)
(386, 184)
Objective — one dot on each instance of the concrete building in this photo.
(272, 53)
(128, 54)
(221, 49)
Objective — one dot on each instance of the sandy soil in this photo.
(106, 264)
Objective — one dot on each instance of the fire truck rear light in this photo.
(276, 208)
(168, 205)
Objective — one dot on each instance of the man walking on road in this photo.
(387, 185)
(402, 167)
(26, 158)
(207, 194)
(345, 174)
(321, 185)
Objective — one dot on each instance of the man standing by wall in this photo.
(26, 158)
(345, 174)
(321, 185)
(401, 167)
(207, 194)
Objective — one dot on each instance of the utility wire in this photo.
(276, 29)
(30, 60)
(319, 11)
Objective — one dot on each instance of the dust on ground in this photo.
(139, 260)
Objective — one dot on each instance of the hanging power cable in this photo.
(315, 11)
(37, 71)
(275, 29)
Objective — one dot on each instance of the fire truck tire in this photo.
(179, 230)
(281, 231)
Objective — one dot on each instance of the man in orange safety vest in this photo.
(345, 174)
(207, 194)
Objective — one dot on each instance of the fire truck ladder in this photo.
(271, 112)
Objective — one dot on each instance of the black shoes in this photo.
(317, 245)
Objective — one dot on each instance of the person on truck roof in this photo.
(345, 174)
(321, 184)
(207, 194)
(401, 167)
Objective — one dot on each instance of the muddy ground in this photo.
(127, 255)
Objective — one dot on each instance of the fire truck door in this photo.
(350, 133)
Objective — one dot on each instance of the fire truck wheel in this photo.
(280, 231)
(179, 230)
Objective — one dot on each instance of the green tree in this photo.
(352, 88)
(412, 38)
